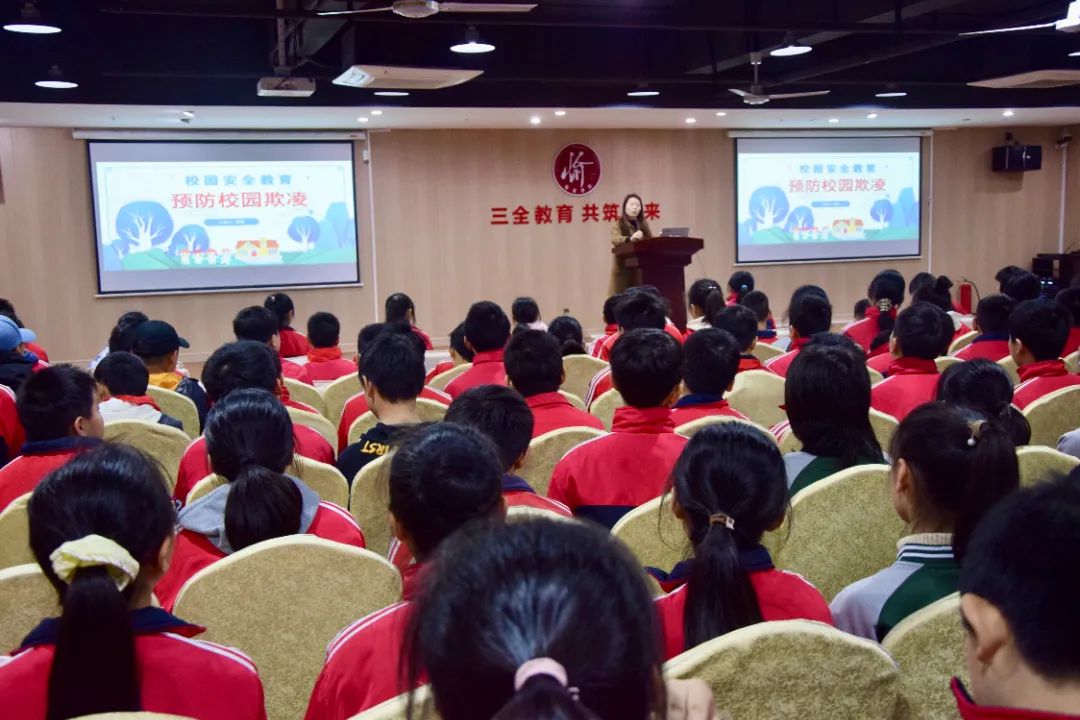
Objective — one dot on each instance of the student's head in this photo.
(1019, 590)
(524, 310)
(58, 402)
(827, 397)
(556, 598)
(729, 487)
(122, 336)
(809, 312)
(1022, 286)
(486, 327)
(711, 359)
(534, 363)
(1038, 330)
(639, 309)
(861, 306)
(609, 308)
(567, 331)
(886, 293)
(121, 373)
(949, 467)
(758, 302)
(740, 283)
(698, 295)
(109, 504)
(156, 342)
(282, 306)
(367, 335)
(258, 324)
(400, 308)
(249, 438)
(1070, 300)
(919, 281)
(1004, 274)
(442, 477)
(501, 414)
(460, 352)
(985, 387)
(240, 365)
(934, 291)
(992, 313)
(922, 331)
(646, 368)
(392, 368)
(740, 321)
(323, 330)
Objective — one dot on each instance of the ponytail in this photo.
(740, 283)
(993, 473)
(262, 505)
(543, 698)
(720, 597)
(887, 294)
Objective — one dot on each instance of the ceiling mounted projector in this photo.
(420, 9)
(293, 87)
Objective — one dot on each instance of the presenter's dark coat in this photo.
(622, 278)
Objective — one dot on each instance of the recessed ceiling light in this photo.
(721, 114)
(56, 80)
(560, 113)
(376, 112)
(30, 22)
(534, 120)
(834, 120)
(1008, 113)
(891, 94)
(187, 114)
(472, 44)
(871, 116)
(791, 48)
(391, 93)
(363, 119)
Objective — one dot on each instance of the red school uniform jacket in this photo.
(295, 371)
(864, 331)
(988, 346)
(293, 344)
(357, 406)
(552, 411)
(692, 407)
(22, 475)
(1073, 343)
(781, 363)
(605, 478)
(425, 337)
(600, 384)
(970, 711)
(609, 342)
(911, 382)
(11, 430)
(1042, 378)
(881, 363)
(487, 369)
(326, 364)
(598, 344)
(363, 663)
(177, 675)
(749, 362)
(438, 370)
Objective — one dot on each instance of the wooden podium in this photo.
(660, 262)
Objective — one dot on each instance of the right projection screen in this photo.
(809, 198)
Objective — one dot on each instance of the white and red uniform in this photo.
(1042, 378)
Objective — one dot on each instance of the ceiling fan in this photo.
(1070, 23)
(756, 97)
(418, 9)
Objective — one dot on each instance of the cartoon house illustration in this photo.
(850, 229)
(261, 249)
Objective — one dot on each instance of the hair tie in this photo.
(976, 432)
(884, 305)
(722, 519)
(542, 666)
(94, 551)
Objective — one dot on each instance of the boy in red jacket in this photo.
(258, 324)
(534, 367)
(635, 310)
(712, 359)
(1038, 331)
(741, 322)
(325, 363)
(922, 333)
(992, 324)
(486, 331)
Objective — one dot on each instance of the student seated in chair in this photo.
(122, 380)
(486, 331)
(567, 330)
(645, 316)
(886, 294)
(697, 298)
(325, 363)
(741, 322)
(922, 333)
(985, 387)
(758, 302)
(711, 361)
(611, 326)
(399, 308)
(859, 311)
(809, 313)
(1038, 331)
(293, 343)
(635, 311)
(158, 346)
(992, 324)
(535, 369)
(1022, 286)
(1070, 300)
(936, 292)
(17, 363)
(258, 324)
(884, 363)
(101, 529)
(460, 354)
(525, 315)
(607, 477)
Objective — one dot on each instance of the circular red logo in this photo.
(576, 169)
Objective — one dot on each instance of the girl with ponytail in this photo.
(293, 343)
(740, 283)
(949, 467)
(249, 438)
(886, 293)
(985, 387)
(729, 489)
(101, 528)
(936, 292)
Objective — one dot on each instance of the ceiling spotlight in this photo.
(642, 90)
(791, 48)
(187, 114)
(56, 80)
(1075, 54)
(560, 113)
(833, 121)
(376, 112)
(691, 121)
(871, 116)
(30, 22)
(472, 44)
(721, 114)
(1008, 113)
(890, 91)
(363, 119)
(391, 93)
(534, 120)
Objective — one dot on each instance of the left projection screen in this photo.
(183, 216)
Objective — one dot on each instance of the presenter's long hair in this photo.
(627, 226)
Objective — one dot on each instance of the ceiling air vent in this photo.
(1032, 80)
(379, 77)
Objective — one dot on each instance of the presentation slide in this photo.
(805, 198)
(176, 216)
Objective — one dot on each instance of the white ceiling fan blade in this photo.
(785, 96)
(1018, 28)
(330, 13)
(467, 7)
(741, 93)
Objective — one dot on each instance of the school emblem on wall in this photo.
(576, 169)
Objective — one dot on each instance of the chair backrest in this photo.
(962, 342)
(842, 528)
(440, 381)
(758, 394)
(430, 410)
(654, 534)
(337, 393)
(825, 673)
(604, 407)
(691, 428)
(307, 394)
(789, 442)
(946, 361)
(884, 427)
(875, 376)
(580, 370)
(178, 406)
(282, 601)
(361, 425)
(1010, 367)
(27, 597)
(1053, 415)
(573, 399)
(211, 482)
(929, 647)
(317, 423)
(396, 708)
(132, 716)
(547, 450)
(1039, 463)
(765, 351)
(369, 503)
(161, 442)
(1072, 362)
(15, 534)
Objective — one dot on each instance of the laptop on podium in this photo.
(675, 232)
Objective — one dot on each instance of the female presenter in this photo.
(631, 227)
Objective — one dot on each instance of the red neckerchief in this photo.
(798, 343)
(970, 711)
(1043, 368)
(138, 400)
(650, 421)
(749, 362)
(488, 356)
(611, 329)
(323, 354)
(731, 299)
(911, 366)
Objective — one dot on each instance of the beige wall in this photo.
(433, 194)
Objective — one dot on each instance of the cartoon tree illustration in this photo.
(768, 206)
(905, 210)
(304, 229)
(343, 224)
(145, 223)
(881, 211)
(192, 238)
(800, 218)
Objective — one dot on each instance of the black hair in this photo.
(367, 335)
(1042, 326)
(992, 313)
(6, 307)
(609, 308)
(923, 331)
(700, 290)
(244, 364)
(249, 438)
(729, 471)
(809, 311)
(1070, 300)
(758, 302)
(861, 306)
(533, 362)
(501, 414)
(1022, 286)
(962, 464)
(646, 365)
(711, 361)
(486, 326)
(441, 477)
(919, 281)
(640, 309)
(122, 336)
(51, 400)
(398, 306)
(567, 330)
(281, 305)
(740, 283)
(738, 320)
(255, 323)
(935, 292)
(123, 374)
(985, 387)
(323, 330)
(394, 365)
(827, 397)
(886, 292)
(1004, 274)
(1018, 560)
(524, 310)
(118, 493)
(457, 341)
